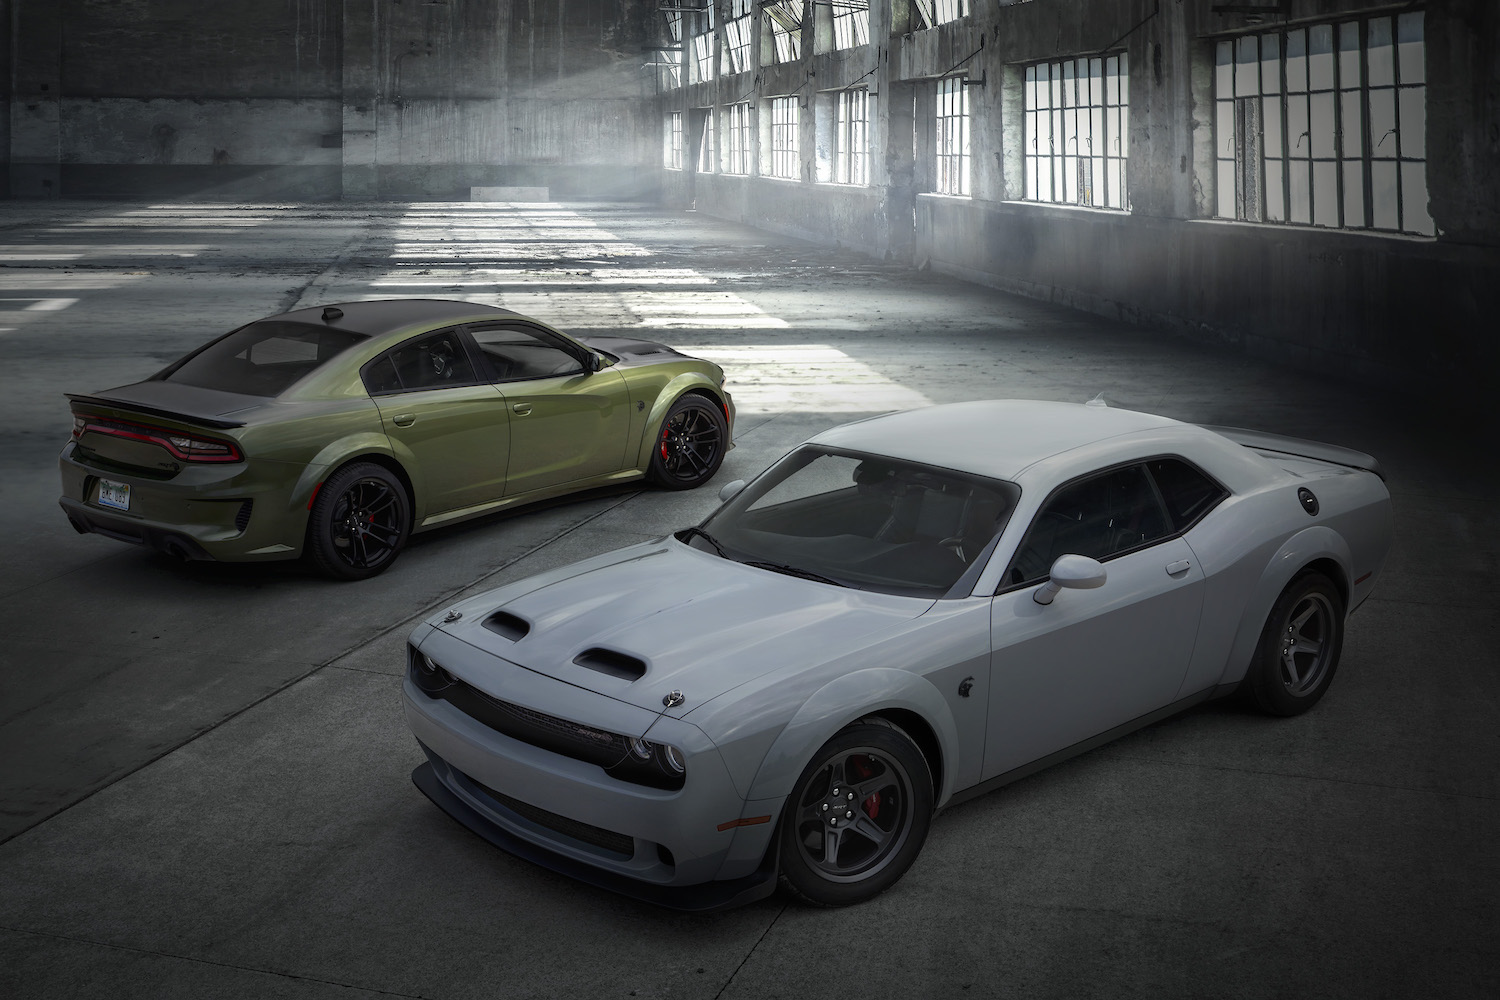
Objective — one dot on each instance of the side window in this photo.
(435, 361)
(1098, 517)
(1188, 493)
(514, 352)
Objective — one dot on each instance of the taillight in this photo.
(187, 447)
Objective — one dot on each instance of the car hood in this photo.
(633, 352)
(662, 617)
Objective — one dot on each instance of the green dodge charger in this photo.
(336, 431)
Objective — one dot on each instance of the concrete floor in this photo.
(204, 770)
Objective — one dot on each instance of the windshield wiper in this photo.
(686, 533)
(794, 571)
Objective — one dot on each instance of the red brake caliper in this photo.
(870, 805)
(666, 432)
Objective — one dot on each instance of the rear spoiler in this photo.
(155, 411)
(1261, 441)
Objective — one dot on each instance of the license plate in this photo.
(116, 495)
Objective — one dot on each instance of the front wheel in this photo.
(690, 445)
(1299, 647)
(858, 816)
(359, 523)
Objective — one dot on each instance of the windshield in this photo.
(262, 359)
(863, 521)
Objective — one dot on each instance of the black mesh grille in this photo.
(615, 843)
(242, 519)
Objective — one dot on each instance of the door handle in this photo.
(521, 408)
(1180, 566)
(404, 419)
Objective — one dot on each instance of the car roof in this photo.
(381, 316)
(998, 438)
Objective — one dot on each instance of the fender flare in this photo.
(844, 700)
(670, 393)
(343, 451)
(1311, 544)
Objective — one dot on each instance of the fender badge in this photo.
(452, 616)
(672, 699)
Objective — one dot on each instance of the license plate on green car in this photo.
(116, 495)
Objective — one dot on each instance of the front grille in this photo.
(242, 518)
(608, 840)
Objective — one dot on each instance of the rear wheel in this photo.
(360, 521)
(1299, 647)
(690, 445)
(858, 816)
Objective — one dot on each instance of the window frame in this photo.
(674, 140)
(1075, 109)
(741, 140)
(478, 366)
(851, 161)
(548, 338)
(952, 158)
(786, 123)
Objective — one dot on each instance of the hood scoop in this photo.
(607, 661)
(503, 623)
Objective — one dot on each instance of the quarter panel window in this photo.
(1188, 493)
(1100, 517)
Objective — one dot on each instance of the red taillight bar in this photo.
(179, 444)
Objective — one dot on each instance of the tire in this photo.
(689, 447)
(884, 786)
(1299, 647)
(360, 521)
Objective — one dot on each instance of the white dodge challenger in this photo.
(902, 613)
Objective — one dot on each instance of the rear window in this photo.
(263, 359)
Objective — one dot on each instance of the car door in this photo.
(1091, 660)
(450, 427)
(566, 423)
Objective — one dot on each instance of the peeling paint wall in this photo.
(1336, 300)
(327, 98)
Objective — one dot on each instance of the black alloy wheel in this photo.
(360, 521)
(1299, 647)
(858, 816)
(689, 447)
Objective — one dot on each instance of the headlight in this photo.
(659, 765)
(426, 673)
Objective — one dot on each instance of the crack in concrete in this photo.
(753, 948)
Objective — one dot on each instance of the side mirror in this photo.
(594, 363)
(1073, 572)
(731, 490)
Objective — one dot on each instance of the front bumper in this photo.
(678, 849)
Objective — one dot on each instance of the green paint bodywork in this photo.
(462, 451)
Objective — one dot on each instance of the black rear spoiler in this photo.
(155, 411)
(1261, 441)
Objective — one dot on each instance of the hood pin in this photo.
(452, 616)
(672, 699)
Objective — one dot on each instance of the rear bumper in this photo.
(85, 520)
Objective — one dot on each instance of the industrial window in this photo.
(784, 118)
(851, 23)
(1077, 113)
(786, 28)
(931, 13)
(737, 37)
(703, 45)
(706, 143)
(1325, 125)
(739, 138)
(669, 61)
(674, 140)
(952, 136)
(852, 138)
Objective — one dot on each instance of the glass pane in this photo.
(1116, 144)
(1325, 194)
(1070, 180)
(1383, 193)
(1271, 125)
(1112, 80)
(1297, 140)
(1414, 199)
(1069, 85)
(1247, 54)
(1031, 178)
(1349, 55)
(1296, 60)
(1030, 87)
(1322, 127)
(1096, 197)
(1226, 189)
(1116, 184)
(1320, 52)
(1380, 54)
(1414, 122)
(1270, 64)
(1124, 79)
(1354, 196)
(1275, 203)
(1096, 132)
(1351, 129)
(1223, 69)
(1383, 122)
(1224, 135)
(1300, 209)
(1410, 47)
(1096, 81)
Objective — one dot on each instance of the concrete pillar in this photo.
(35, 105)
(360, 96)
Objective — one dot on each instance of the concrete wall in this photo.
(1384, 308)
(323, 99)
